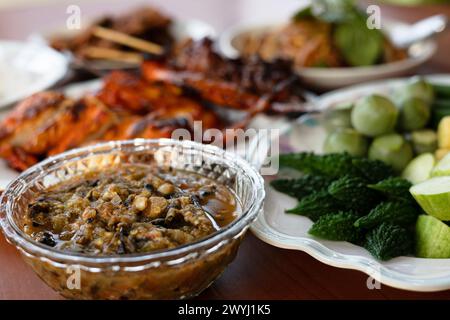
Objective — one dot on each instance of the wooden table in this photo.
(260, 271)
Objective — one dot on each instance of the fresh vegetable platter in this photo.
(348, 216)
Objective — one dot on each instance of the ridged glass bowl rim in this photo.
(15, 235)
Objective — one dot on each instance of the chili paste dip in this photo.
(129, 209)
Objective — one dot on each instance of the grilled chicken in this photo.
(127, 107)
(252, 84)
(169, 96)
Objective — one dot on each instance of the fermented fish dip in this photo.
(129, 209)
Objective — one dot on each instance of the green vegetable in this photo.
(388, 241)
(336, 165)
(372, 170)
(359, 45)
(399, 212)
(414, 114)
(392, 149)
(442, 168)
(316, 205)
(419, 169)
(395, 188)
(353, 193)
(327, 10)
(338, 227)
(346, 140)
(424, 141)
(301, 187)
(330, 165)
(441, 91)
(304, 13)
(374, 115)
(433, 195)
(432, 238)
(416, 87)
(338, 117)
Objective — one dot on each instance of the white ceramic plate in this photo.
(332, 78)
(26, 68)
(290, 231)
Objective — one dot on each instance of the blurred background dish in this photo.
(123, 41)
(319, 64)
(26, 68)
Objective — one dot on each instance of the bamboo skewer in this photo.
(112, 54)
(127, 40)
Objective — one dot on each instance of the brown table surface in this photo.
(260, 271)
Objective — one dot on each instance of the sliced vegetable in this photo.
(420, 168)
(433, 196)
(441, 153)
(337, 226)
(444, 133)
(442, 168)
(388, 241)
(432, 238)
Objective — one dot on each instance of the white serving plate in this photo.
(332, 78)
(290, 231)
(26, 68)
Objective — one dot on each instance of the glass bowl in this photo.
(176, 273)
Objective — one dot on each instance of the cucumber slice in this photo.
(419, 169)
(432, 238)
(442, 168)
(441, 153)
(444, 133)
(433, 195)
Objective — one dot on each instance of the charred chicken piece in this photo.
(90, 120)
(125, 92)
(34, 126)
(48, 123)
(249, 84)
